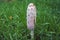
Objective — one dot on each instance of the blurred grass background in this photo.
(13, 20)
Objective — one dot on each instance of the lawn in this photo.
(13, 20)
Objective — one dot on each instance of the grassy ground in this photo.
(13, 20)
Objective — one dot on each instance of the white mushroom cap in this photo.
(31, 4)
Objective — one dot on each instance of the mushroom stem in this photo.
(32, 34)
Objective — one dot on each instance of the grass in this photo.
(13, 20)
